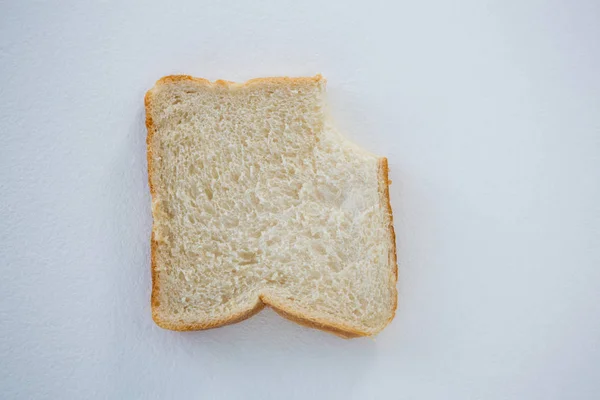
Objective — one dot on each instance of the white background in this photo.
(489, 113)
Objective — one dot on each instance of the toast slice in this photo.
(257, 200)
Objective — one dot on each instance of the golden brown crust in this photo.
(384, 183)
(340, 330)
(274, 80)
(232, 319)
(337, 329)
(154, 302)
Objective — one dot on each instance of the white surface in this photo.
(489, 113)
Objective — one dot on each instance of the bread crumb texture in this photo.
(257, 200)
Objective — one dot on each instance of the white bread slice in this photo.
(257, 201)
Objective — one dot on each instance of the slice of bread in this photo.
(257, 201)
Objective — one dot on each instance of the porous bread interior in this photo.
(255, 195)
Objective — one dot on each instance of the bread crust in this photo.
(384, 185)
(230, 84)
(263, 300)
